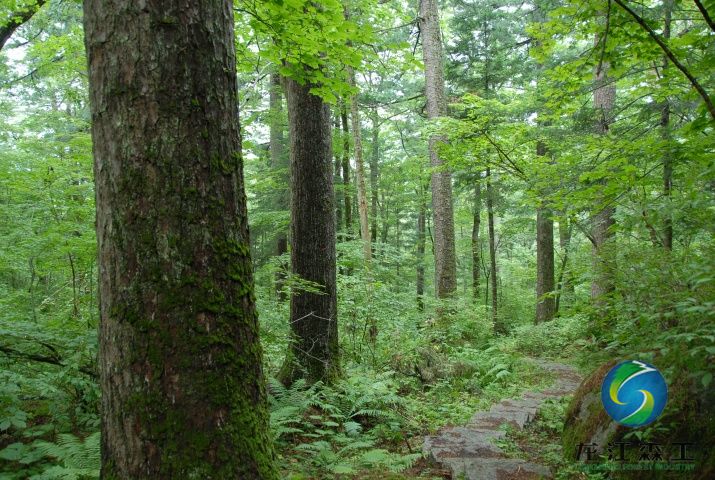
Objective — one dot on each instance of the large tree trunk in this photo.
(278, 163)
(665, 126)
(492, 254)
(445, 258)
(347, 203)
(545, 302)
(602, 283)
(374, 174)
(476, 247)
(359, 171)
(313, 315)
(183, 392)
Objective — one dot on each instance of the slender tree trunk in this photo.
(602, 283)
(347, 203)
(385, 216)
(374, 174)
(421, 218)
(565, 229)
(359, 171)
(313, 315)
(276, 148)
(476, 248)
(492, 253)
(442, 210)
(564, 283)
(183, 392)
(337, 180)
(665, 127)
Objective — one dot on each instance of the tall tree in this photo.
(442, 209)
(476, 246)
(603, 264)
(545, 301)
(278, 164)
(359, 170)
(492, 252)
(665, 126)
(421, 237)
(183, 392)
(313, 312)
(374, 172)
(347, 202)
(564, 283)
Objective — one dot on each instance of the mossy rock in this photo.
(689, 416)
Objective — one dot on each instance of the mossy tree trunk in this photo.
(313, 314)
(183, 392)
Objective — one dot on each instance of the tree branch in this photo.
(671, 56)
(706, 15)
(17, 19)
(51, 360)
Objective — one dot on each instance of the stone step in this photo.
(462, 442)
(499, 469)
(470, 451)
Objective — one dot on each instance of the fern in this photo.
(77, 459)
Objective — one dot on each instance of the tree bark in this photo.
(442, 209)
(603, 264)
(314, 348)
(278, 163)
(183, 392)
(476, 248)
(359, 171)
(492, 254)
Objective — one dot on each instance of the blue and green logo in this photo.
(634, 393)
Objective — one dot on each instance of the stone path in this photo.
(470, 452)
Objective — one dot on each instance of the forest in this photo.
(357, 239)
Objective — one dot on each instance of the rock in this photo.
(689, 416)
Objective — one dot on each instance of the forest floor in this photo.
(516, 439)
